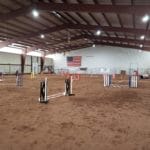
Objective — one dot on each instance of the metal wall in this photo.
(103, 59)
(9, 63)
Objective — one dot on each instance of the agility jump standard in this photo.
(1, 76)
(132, 82)
(19, 81)
(44, 90)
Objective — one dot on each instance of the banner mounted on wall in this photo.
(74, 61)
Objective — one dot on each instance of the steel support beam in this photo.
(33, 34)
(66, 7)
(136, 31)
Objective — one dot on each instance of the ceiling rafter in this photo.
(138, 9)
(18, 26)
(61, 18)
(66, 48)
(76, 26)
(121, 45)
(133, 18)
(80, 16)
(35, 20)
(96, 41)
(119, 18)
(33, 34)
(81, 37)
(68, 7)
(108, 29)
(117, 39)
(105, 17)
(70, 16)
(96, 2)
(7, 28)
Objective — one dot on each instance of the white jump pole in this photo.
(65, 90)
(134, 81)
(106, 80)
(55, 95)
(46, 90)
(1, 76)
(71, 84)
(19, 80)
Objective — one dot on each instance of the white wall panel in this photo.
(7, 58)
(48, 62)
(13, 61)
(28, 60)
(107, 57)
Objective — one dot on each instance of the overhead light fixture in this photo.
(141, 45)
(142, 37)
(42, 36)
(55, 13)
(98, 32)
(93, 45)
(35, 13)
(145, 18)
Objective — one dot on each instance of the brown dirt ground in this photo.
(96, 118)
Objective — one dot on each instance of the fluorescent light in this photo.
(142, 37)
(141, 45)
(35, 13)
(145, 18)
(33, 53)
(98, 32)
(42, 36)
(55, 13)
(93, 45)
(11, 50)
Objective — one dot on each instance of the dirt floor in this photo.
(96, 118)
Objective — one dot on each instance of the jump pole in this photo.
(71, 80)
(107, 80)
(19, 81)
(32, 75)
(44, 91)
(1, 76)
(133, 81)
